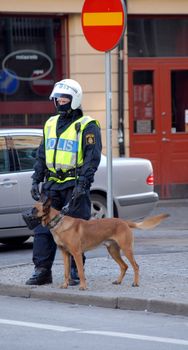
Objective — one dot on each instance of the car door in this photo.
(25, 149)
(9, 186)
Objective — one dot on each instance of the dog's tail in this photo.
(148, 223)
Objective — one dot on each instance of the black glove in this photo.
(78, 191)
(35, 191)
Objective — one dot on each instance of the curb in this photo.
(176, 203)
(96, 299)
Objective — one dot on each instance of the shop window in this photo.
(26, 120)
(28, 57)
(158, 37)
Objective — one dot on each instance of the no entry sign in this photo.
(103, 23)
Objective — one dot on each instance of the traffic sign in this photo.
(8, 82)
(42, 86)
(103, 23)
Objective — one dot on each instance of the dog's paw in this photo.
(135, 284)
(63, 285)
(82, 288)
(116, 282)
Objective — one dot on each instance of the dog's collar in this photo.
(55, 221)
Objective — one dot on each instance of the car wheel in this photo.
(14, 240)
(98, 207)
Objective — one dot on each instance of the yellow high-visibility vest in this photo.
(61, 151)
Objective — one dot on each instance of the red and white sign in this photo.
(103, 23)
(42, 86)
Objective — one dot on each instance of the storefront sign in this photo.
(26, 63)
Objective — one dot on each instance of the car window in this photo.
(4, 157)
(26, 149)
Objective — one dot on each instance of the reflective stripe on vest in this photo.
(61, 152)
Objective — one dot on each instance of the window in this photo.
(28, 57)
(157, 37)
(179, 104)
(143, 101)
(4, 157)
(26, 150)
(33, 56)
(26, 119)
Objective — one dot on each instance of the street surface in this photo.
(35, 324)
(41, 324)
(170, 236)
(160, 240)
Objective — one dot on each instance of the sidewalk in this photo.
(163, 283)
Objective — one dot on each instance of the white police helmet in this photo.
(68, 88)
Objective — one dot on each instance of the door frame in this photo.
(162, 68)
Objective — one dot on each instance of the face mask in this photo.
(64, 108)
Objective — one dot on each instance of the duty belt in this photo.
(60, 175)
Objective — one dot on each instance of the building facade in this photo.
(42, 42)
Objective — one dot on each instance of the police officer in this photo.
(67, 160)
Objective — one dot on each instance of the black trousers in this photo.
(44, 247)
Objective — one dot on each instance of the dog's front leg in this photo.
(79, 264)
(66, 259)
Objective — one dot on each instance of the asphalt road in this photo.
(162, 240)
(161, 254)
(36, 324)
(146, 242)
(170, 236)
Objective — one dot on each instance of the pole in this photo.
(109, 133)
(121, 137)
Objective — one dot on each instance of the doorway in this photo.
(158, 105)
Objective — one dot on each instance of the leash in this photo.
(77, 128)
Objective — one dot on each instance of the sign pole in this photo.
(103, 24)
(109, 132)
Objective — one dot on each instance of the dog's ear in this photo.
(43, 198)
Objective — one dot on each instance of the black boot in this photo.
(40, 276)
(74, 273)
(74, 279)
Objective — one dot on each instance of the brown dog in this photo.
(75, 236)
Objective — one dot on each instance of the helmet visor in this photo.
(61, 89)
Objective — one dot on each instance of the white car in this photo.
(133, 188)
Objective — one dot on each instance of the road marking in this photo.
(93, 332)
(138, 337)
(38, 325)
